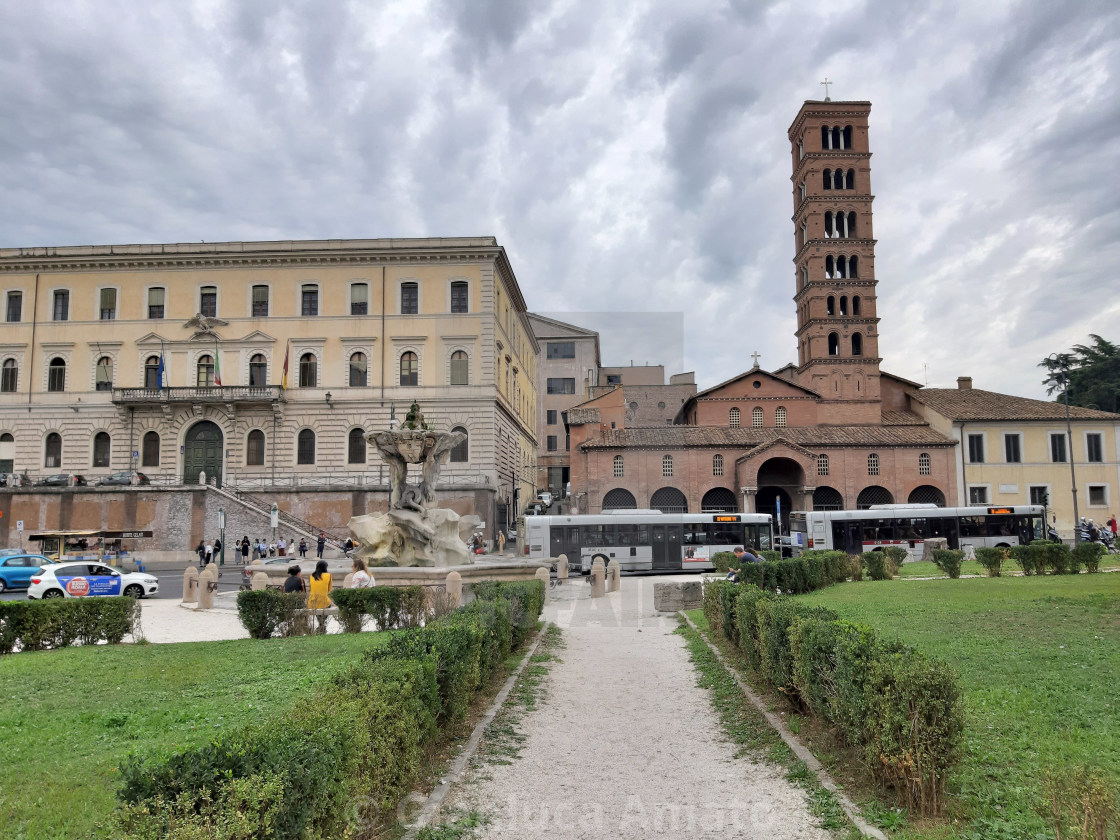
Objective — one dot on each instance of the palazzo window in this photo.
(356, 447)
(149, 450)
(1094, 447)
(461, 453)
(410, 298)
(101, 446)
(359, 299)
(52, 451)
(258, 371)
(460, 368)
(308, 371)
(151, 373)
(205, 374)
(156, 298)
(208, 301)
(56, 375)
(260, 301)
(103, 374)
(9, 376)
(61, 309)
(358, 366)
(305, 447)
(14, 311)
(254, 449)
(108, 309)
(459, 300)
(410, 369)
(309, 300)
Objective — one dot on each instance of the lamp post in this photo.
(222, 536)
(1060, 362)
(274, 520)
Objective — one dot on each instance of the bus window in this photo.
(944, 528)
(912, 529)
(878, 530)
(591, 536)
(695, 534)
(999, 526)
(627, 534)
(758, 536)
(643, 535)
(972, 526)
(724, 534)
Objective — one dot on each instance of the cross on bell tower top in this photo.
(826, 83)
(755, 355)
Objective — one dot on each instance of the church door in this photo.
(202, 452)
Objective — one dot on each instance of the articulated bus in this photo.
(856, 531)
(645, 540)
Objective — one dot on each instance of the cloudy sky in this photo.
(630, 156)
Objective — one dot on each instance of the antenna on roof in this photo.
(925, 371)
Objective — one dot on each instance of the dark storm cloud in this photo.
(628, 155)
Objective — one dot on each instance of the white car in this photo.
(79, 580)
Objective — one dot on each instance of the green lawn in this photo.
(68, 717)
(926, 568)
(1039, 660)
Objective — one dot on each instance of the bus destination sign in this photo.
(727, 519)
(1000, 511)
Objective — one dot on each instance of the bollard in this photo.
(190, 585)
(562, 567)
(258, 582)
(614, 576)
(207, 586)
(454, 588)
(598, 585)
(542, 576)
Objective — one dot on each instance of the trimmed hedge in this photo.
(1089, 554)
(992, 559)
(60, 622)
(388, 607)
(264, 612)
(808, 572)
(526, 600)
(949, 561)
(902, 710)
(346, 753)
(876, 565)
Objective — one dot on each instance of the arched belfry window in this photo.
(841, 266)
(838, 179)
(857, 344)
(855, 303)
(853, 266)
(850, 231)
(850, 179)
(847, 137)
(829, 267)
(733, 418)
(827, 177)
(831, 304)
(834, 344)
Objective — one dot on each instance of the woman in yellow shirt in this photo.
(319, 597)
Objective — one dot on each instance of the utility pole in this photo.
(1062, 364)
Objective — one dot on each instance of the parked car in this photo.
(122, 479)
(61, 480)
(545, 498)
(79, 580)
(16, 569)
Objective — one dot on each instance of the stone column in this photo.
(207, 585)
(259, 581)
(454, 587)
(190, 585)
(806, 498)
(598, 572)
(614, 576)
(542, 576)
(748, 499)
(562, 567)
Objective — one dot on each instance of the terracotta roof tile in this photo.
(976, 405)
(577, 416)
(810, 437)
(902, 418)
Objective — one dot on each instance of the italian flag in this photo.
(217, 365)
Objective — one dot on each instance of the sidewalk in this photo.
(625, 744)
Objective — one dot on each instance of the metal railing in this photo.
(214, 394)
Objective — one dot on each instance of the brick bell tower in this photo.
(834, 259)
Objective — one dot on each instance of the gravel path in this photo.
(626, 745)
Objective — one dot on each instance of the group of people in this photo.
(208, 552)
(743, 554)
(1105, 533)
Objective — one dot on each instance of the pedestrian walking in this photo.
(320, 544)
(201, 552)
(217, 549)
(209, 551)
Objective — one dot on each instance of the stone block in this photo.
(678, 595)
(562, 567)
(542, 576)
(614, 576)
(454, 588)
(190, 585)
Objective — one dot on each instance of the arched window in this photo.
(841, 266)
(101, 445)
(619, 467)
(850, 230)
(780, 416)
(358, 367)
(305, 447)
(837, 138)
(717, 465)
(872, 464)
(828, 179)
(804, 275)
(258, 371)
(828, 225)
(826, 138)
(56, 375)
(843, 306)
(667, 466)
(838, 179)
(853, 266)
(205, 373)
(356, 447)
(829, 267)
(460, 370)
(855, 303)
(9, 377)
(619, 499)
(847, 137)
(410, 370)
(151, 373)
(822, 465)
(857, 344)
(308, 372)
(733, 418)
(461, 453)
(827, 498)
(103, 374)
(923, 464)
(830, 305)
(834, 344)
(52, 452)
(149, 450)
(756, 417)
(254, 449)
(850, 181)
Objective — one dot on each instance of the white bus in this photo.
(856, 531)
(645, 540)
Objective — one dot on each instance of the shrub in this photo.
(876, 565)
(746, 621)
(388, 607)
(60, 622)
(1021, 554)
(264, 612)
(1056, 557)
(723, 560)
(855, 566)
(712, 609)
(1038, 553)
(526, 599)
(896, 556)
(949, 561)
(1088, 555)
(771, 555)
(992, 559)
(812, 642)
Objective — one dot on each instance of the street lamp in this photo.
(222, 536)
(1059, 376)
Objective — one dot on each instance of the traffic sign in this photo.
(19, 524)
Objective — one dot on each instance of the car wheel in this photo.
(3, 586)
(134, 590)
(52, 593)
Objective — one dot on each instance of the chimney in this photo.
(964, 383)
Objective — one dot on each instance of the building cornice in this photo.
(830, 155)
(819, 108)
(832, 244)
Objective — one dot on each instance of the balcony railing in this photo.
(215, 394)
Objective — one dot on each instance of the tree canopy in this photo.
(1092, 372)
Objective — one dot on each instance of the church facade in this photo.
(833, 431)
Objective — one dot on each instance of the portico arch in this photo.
(779, 479)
